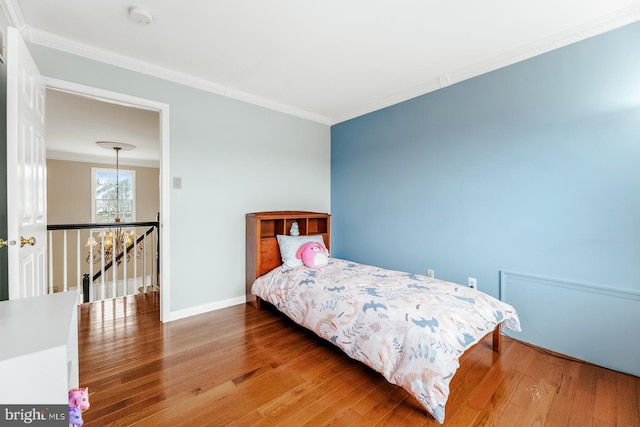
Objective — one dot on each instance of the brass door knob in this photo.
(3, 243)
(31, 241)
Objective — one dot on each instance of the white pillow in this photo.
(289, 245)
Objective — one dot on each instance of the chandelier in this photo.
(110, 245)
(114, 242)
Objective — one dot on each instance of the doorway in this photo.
(162, 110)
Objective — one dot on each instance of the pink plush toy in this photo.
(79, 397)
(313, 255)
(78, 402)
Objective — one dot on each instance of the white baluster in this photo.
(64, 261)
(78, 272)
(51, 261)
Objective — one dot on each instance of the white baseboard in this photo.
(205, 308)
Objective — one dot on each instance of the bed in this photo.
(410, 328)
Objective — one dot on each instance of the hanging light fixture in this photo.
(117, 147)
(110, 244)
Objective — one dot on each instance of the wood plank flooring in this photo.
(244, 367)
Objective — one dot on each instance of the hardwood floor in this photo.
(240, 366)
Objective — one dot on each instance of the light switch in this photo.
(177, 182)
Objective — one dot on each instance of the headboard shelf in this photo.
(262, 250)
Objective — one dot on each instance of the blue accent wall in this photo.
(532, 168)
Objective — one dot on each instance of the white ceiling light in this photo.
(140, 16)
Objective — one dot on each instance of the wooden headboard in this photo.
(263, 254)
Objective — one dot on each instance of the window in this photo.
(110, 201)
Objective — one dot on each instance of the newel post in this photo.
(85, 288)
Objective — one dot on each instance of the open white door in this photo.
(26, 172)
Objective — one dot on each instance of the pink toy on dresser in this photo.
(78, 402)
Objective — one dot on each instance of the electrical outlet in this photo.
(430, 274)
(473, 283)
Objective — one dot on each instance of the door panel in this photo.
(26, 172)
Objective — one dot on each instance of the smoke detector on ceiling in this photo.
(140, 16)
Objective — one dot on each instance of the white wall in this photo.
(233, 158)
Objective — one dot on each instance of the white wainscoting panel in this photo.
(594, 323)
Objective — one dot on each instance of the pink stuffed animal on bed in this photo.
(313, 255)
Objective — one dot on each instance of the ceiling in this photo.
(75, 123)
(324, 60)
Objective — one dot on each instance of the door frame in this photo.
(163, 109)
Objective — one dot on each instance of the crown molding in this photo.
(277, 106)
(13, 12)
(53, 41)
(581, 32)
(105, 160)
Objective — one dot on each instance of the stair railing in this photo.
(124, 270)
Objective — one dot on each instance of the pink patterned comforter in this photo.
(408, 327)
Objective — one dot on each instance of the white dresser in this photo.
(38, 349)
